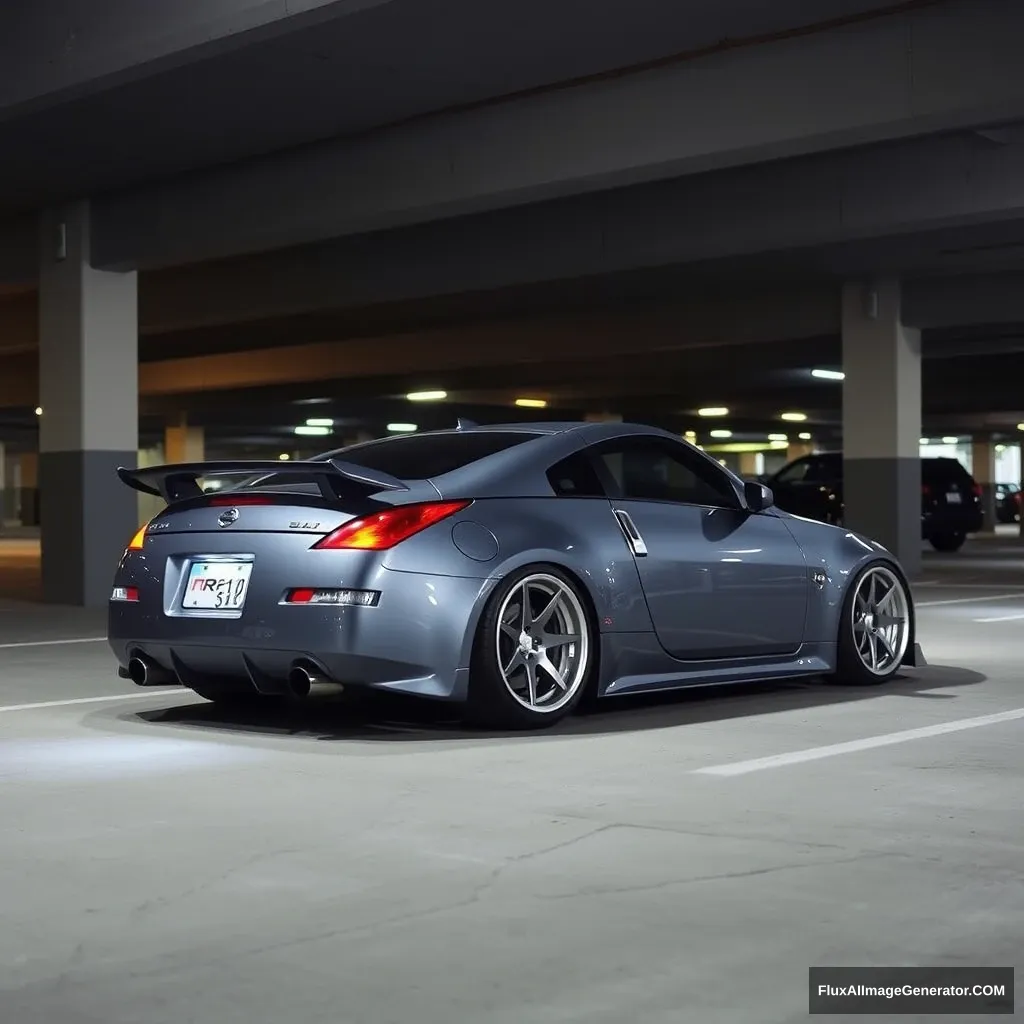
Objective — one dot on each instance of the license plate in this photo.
(217, 586)
(952, 497)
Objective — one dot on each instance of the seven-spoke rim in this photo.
(543, 643)
(881, 620)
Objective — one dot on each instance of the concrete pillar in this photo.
(28, 489)
(88, 384)
(149, 505)
(798, 449)
(882, 420)
(983, 469)
(748, 465)
(183, 443)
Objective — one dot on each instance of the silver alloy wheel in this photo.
(881, 620)
(542, 643)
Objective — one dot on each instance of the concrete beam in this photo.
(968, 300)
(935, 68)
(19, 323)
(48, 51)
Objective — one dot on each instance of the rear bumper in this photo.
(417, 640)
(953, 520)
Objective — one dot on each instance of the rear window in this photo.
(938, 470)
(421, 456)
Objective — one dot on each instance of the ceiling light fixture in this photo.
(713, 410)
(532, 403)
(793, 417)
(284, 456)
(402, 428)
(319, 423)
(721, 433)
(951, 440)
(308, 431)
(426, 396)
(804, 436)
(778, 437)
(39, 410)
(1020, 426)
(829, 374)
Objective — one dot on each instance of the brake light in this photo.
(977, 490)
(925, 490)
(240, 499)
(135, 544)
(384, 530)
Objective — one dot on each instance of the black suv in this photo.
(951, 508)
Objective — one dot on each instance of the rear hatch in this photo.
(947, 489)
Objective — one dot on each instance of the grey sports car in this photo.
(511, 569)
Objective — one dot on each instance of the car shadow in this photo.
(389, 718)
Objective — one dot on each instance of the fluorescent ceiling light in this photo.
(804, 436)
(713, 410)
(777, 437)
(1000, 447)
(951, 440)
(39, 410)
(1020, 426)
(829, 374)
(532, 403)
(793, 417)
(426, 396)
(690, 435)
(308, 431)
(319, 423)
(284, 456)
(721, 433)
(402, 428)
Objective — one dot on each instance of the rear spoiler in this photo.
(181, 480)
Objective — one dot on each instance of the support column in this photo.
(882, 421)
(983, 469)
(88, 383)
(798, 449)
(183, 443)
(28, 489)
(748, 465)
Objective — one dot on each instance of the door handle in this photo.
(628, 527)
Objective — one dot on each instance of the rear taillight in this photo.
(925, 490)
(135, 544)
(124, 594)
(1016, 497)
(240, 499)
(977, 490)
(384, 530)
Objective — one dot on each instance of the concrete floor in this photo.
(164, 864)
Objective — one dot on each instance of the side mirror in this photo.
(757, 496)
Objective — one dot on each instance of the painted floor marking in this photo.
(853, 746)
(157, 691)
(54, 643)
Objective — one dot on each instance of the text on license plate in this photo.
(953, 497)
(218, 586)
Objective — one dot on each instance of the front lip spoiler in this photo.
(915, 657)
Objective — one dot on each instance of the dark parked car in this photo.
(951, 508)
(1008, 503)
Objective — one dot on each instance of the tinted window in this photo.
(420, 456)
(575, 477)
(795, 472)
(937, 471)
(655, 470)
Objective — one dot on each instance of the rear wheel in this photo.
(948, 541)
(533, 652)
(875, 627)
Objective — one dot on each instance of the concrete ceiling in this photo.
(106, 122)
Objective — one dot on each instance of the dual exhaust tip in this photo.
(303, 680)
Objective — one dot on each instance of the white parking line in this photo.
(1018, 596)
(1001, 618)
(54, 643)
(157, 691)
(853, 746)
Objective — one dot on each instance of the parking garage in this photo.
(818, 264)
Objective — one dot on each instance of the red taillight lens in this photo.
(240, 499)
(1016, 497)
(925, 490)
(384, 530)
(977, 490)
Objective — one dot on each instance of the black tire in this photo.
(491, 703)
(948, 541)
(850, 667)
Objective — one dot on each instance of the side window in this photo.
(797, 472)
(575, 477)
(654, 470)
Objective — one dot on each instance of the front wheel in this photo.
(948, 541)
(875, 627)
(533, 652)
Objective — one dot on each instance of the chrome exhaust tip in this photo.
(143, 672)
(304, 681)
